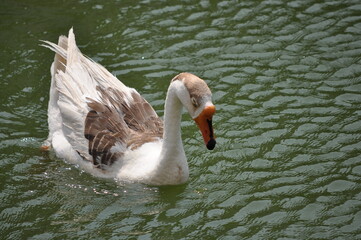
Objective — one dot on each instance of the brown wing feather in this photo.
(128, 124)
(103, 128)
(141, 117)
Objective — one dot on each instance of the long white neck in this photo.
(172, 139)
(173, 166)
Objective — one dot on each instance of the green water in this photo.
(286, 79)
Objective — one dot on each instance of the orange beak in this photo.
(204, 122)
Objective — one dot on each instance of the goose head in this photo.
(196, 97)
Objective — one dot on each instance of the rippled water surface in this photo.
(286, 78)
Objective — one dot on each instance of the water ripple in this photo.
(286, 83)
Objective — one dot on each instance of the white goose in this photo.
(110, 130)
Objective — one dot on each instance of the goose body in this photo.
(110, 130)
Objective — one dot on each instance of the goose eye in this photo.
(194, 102)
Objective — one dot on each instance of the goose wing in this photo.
(100, 116)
